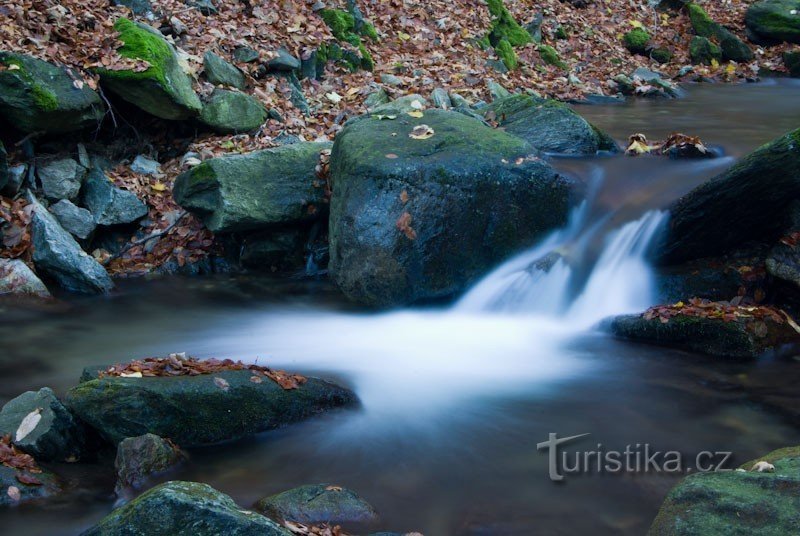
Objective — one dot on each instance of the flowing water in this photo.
(456, 398)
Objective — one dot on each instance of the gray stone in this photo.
(284, 61)
(58, 255)
(145, 166)
(497, 91)
(4, 174)
(231, 112)
(254, 191)
(61, 179)
(376, 98)
(245, 54)
(402, 105)
(137, 7)
(391, 80)
(143, 457)
(15, 179)
(441, 99)
(16, 279)
(184, 509)
(206, 7)
(220, 72)
(38, 96)
(783, 260)
(109, 204)
(40, 425)
(317, 504)
(78, 221)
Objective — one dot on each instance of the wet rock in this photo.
(254, 191)
(748, 202)
(37, 96)
(278, 250)
(14, 179)
(415, 219)
(145, 166)
(231, 112)
(441, 99)
(14, 492)
(549, 126)
(284, 61)
(317, 504)
(16, 279)
(741, 502)
(731, 47)
(198, 410)
(791, 59)
(220, 72)
(61, 179)
(775, 20)
(185, 509)
(711, 336)
(163, 90)
(59, 256)
(405, 104)
(391, 80)
(140, 458)
(41, 426)
(783, 261)
(77, 221)
(109, 204)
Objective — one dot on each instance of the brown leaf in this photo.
(403, 225)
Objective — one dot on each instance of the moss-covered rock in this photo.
(748, 202)
(37, 96)
(791, 59)
(661, 55)
(143, 457)
(733, 48)
(703, 51)
(550, 56)
(549, 125)
(349, 28)
(254, 191)
(185, 509)
(415, 219)
(198, 410)
(775, 20)
(636, 40)
(317, 504)
(735, 503)
(163, 89)
(506, 54)
(232, 112)
(220, 72)
(504, 27)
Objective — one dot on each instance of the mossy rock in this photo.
(317, 504)
(37, 96)
(504, 27)
(185, 509)
(733, 48)
(506, 53)
(636, 40)
(550, 56)
(415, 219)
(220, 72)
(198, 410)
(703, 51)
(163, 89)
(549, 125)
(348, 28)
(254, 191)
(776, 20)
(791, 59)
(232, 112)
(661, 55)
(735, 503)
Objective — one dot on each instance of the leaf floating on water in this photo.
(28, 424)
(421, 132)
(416, 113)
(637, 145)
(222, 383)
(13, 492)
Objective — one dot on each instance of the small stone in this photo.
(245, 54)
(16, 177)
(139, 458)
(231, 112)
(497, 91)
(146, 166)
(376, 98)
(317, 504)
(109, 204)
(284, 61)
(77, 221)
(61, 179)
(441, 99)
(206, 7)
(391, 80)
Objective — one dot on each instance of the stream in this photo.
(455, 397)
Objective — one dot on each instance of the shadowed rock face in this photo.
(318, 503)
(415, 219)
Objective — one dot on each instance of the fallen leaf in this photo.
(13, 492)
(131, 375)
(404, 197)
(391, 156)
(416, 113)
(28, 479)
(333, 488)
(159, 187)
(222, 383)
(403, 225)
(256, 379)
(28, 424)
(421, 132)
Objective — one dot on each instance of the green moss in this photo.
(505, 27)
(484, 43)
(506, 53)
(636, 40)
(701, 50)
(341, 23)
(561, 33)
(702, 24)
(44, 99)
(141, 44)
(661, 55)
(368, 30)
(550, 56)
(343, 28)
(367, 62)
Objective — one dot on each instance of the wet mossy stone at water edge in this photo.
(185, 509)
(231, 112)
(163, 89)
(414, 219)
(736, 503)
(198, 410)
(776, 20)
(254, 191)
(703, 51)
(549, 126)
(317, 504)
(139, 458)
(37, 96)
(733, 48)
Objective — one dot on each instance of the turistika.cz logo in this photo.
(638, 458)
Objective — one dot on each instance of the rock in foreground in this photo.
(199, 410)
(184, 509)
(317, 504)
(139, 458)
(422, 206)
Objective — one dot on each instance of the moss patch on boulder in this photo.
(232, 112)
(775, 20)
(636, 40)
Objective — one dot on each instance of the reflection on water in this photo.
(454, 401)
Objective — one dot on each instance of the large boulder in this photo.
(748, 202)
(163, 89)
(744, 502)
(198, 410)
(231, 112)
(775, 20)
(255, 190)
(184, 509)
(140, 458)
(59, 256)
(37, 96)
(732, 48)
(108, 203)
(418, 218)
(317, 504)
(16, 279)
(549, 125)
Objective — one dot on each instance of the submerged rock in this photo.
(109, 204)
(37, 96)
(40, 425)
(61, 179)
(16, 279)
(317, 504)
(162, 90)
(422, 218)
(185, 509)
(231, 112)
(549, 125)
(744, 502)
(220, 72)
(198, 410)
(78, 221)
(139, 458)
(254, 191)
(775, 20)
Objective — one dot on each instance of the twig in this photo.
(145, 239)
